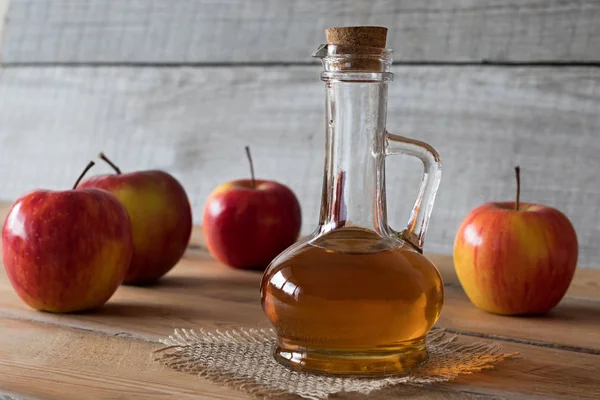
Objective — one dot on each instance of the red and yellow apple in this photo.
(515, 258)
(66, 251)
(161, 219)
(248, 222)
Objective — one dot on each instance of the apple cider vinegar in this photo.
(356, 297)
(351, 292)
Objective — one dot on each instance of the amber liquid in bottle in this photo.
(352, 302)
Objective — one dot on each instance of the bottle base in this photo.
(349, 363)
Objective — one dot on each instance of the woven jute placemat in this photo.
(243, 359)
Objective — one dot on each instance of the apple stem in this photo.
(518, 176)
(105, 159)
(86, 169)
(251, 166)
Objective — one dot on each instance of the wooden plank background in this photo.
(184, 85)
(208, 31)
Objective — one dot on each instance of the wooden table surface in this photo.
(107, 354)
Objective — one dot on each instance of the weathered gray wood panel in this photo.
(3, 11)
(194, 122)
(208, 31)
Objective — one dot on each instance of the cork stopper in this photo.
(365, 43)
(370, 36)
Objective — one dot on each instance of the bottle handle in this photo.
(415, 231)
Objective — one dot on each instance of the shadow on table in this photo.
(241, 290)
(570, 309)
(182, 282)
(139, 310)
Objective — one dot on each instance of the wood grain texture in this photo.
(209, 31)
(3, 11)
(106, 367)
(573, 324)
(194, 123)
(109, 351)
(48, 362)
(65, 363)
(540, 374)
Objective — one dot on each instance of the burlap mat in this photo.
(242, 359)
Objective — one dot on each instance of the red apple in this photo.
(68, 250)
(161, 217)
(246, 223)
(515, 258)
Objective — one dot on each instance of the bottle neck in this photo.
(354, 176)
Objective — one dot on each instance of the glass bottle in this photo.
(356, 297)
